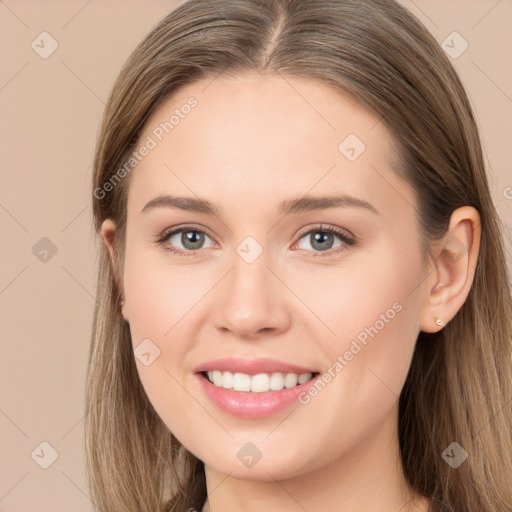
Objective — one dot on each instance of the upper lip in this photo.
(251, 366)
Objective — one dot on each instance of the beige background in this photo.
(50, 113)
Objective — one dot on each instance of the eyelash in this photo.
(346, 239)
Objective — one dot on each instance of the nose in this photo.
(252, 301)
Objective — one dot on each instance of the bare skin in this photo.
(251, 142)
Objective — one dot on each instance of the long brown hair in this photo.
(459, 386)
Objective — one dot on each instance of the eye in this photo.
(322, 239)
(190, 237)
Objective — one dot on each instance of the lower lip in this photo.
(251, 404)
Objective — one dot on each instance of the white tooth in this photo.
(217, 378)
(260, 383)
(290, 380)
(227, 380)
(276, 381)
(304, 377)
(241, 382)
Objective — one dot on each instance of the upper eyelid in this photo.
(189, 227)
(325, 227)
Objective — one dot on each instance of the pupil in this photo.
(192, 237)
(322, 237)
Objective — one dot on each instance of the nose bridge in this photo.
(250, 262)
(250, 275)
(252, 298)
(249, 290)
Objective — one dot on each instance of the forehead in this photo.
(264, 136)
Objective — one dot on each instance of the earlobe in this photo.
(454, 268)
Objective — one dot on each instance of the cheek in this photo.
(159, 298)
(166, 305)
(159, 295)
(365, 289)
(369, 316)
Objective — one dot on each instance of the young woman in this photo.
(236, 364)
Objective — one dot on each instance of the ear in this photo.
(108, 229)
(454, 260)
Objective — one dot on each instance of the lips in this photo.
(250, 405)
(252, 366)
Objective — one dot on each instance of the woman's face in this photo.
(255, 283)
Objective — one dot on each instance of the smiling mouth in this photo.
(258, 383)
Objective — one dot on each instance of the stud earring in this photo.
(123, 302)
(439, 322)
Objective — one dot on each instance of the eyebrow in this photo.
(296, 205)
